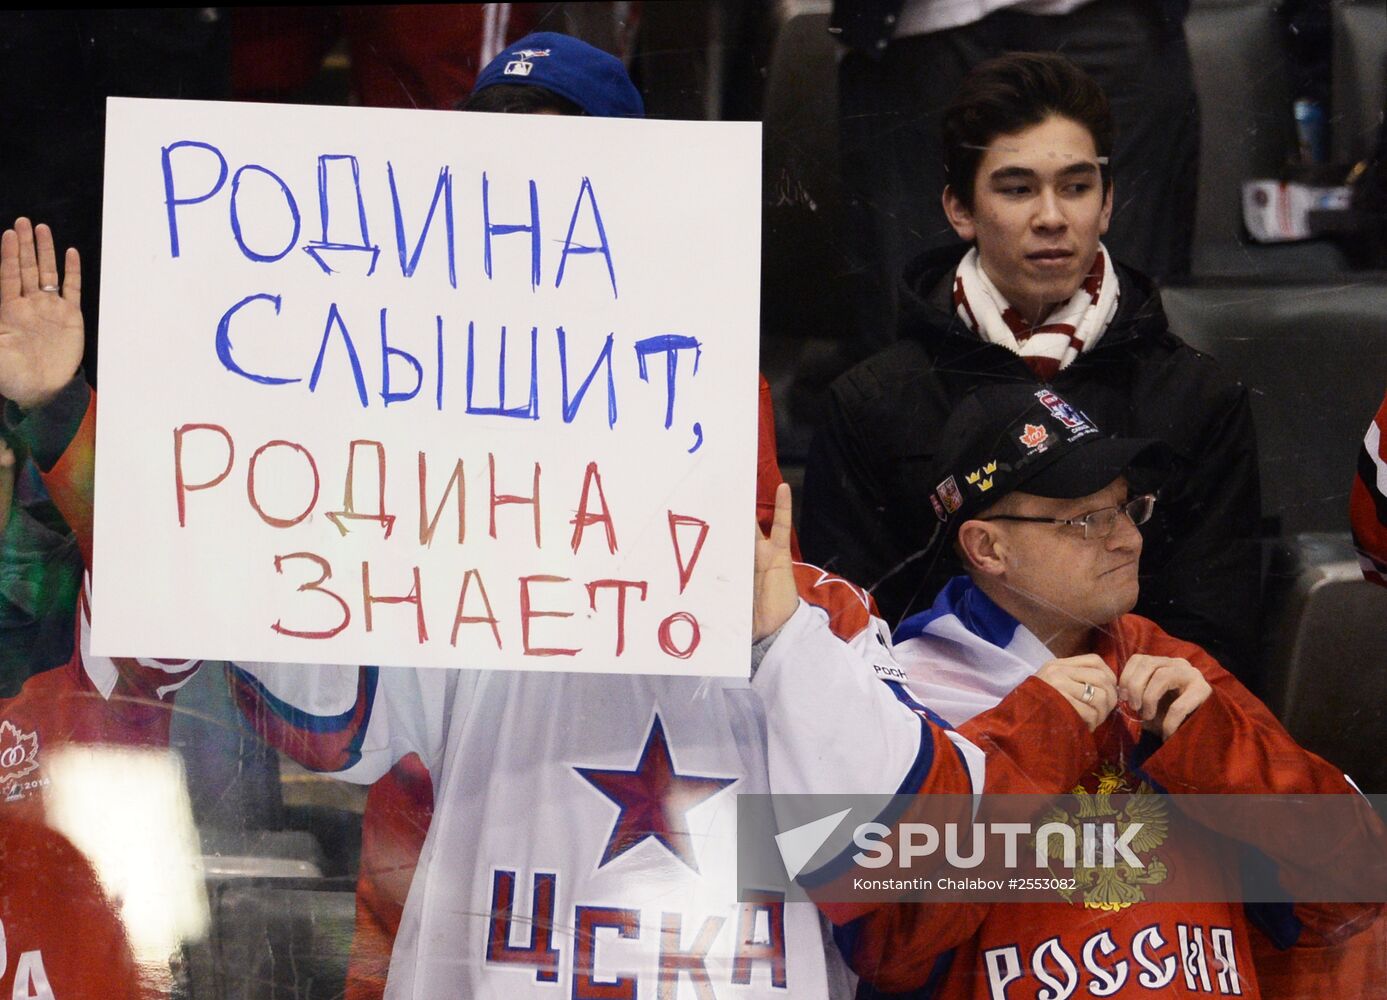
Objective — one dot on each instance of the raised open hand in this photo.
(40, 320)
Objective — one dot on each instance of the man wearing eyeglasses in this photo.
(1043, 511)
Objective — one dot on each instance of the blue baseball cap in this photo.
(594, 80)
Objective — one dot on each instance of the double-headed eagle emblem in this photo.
(1119, 885)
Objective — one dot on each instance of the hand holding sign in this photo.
(40, 325)
(773, 592)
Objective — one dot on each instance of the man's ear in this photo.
(982, 548)
(960, 216)
(1106, 216)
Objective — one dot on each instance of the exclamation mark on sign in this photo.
(682, 527)
(685, 521)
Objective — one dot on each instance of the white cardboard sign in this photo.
(427, 388)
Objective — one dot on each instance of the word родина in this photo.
(342, 173)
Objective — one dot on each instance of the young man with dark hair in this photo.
(1043, 510)
(1037, 300)
(902, 60)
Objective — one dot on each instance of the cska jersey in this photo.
(584, 828)
(400, 805)
(1368, 500)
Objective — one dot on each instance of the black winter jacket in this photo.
(866, 516)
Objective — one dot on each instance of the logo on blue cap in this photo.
(521, 65)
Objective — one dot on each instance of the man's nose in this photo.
(1048, 214)
(1125, 533)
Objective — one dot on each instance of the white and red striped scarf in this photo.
(1074, 327)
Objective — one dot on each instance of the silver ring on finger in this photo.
(48, 288)
(1088, 693)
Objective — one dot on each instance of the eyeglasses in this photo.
(1097, 523)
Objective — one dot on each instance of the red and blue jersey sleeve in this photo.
(354, 721)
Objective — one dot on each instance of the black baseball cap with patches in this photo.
(1009, 436)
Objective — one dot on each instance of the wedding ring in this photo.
(48, 288)
(1088, 693)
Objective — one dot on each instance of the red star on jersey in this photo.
(654, 800)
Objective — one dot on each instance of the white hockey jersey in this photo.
(583, 843)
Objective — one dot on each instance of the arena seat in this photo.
(274, 939)
(1239, 55)
(230, 854)
(327, 808)
(1326, 646)
(1359, 76)
(1314, 356)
